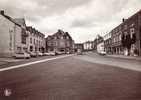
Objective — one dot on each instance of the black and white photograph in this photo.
(70, 49)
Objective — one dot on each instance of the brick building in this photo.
(130, 31)
(60, 42)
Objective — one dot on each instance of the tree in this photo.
(126, 42)
(123, 40)
(133, 38)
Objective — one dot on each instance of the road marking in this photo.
(31, 63)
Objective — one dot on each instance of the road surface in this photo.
(76, 77)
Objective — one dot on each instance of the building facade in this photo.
(78, 46)
(60, 42)
(88, 45)
(126, 38)
(36, 40)
(107, 43)
(99, 43)
(13, 36)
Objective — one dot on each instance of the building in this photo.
(78, 46)
(96, 41)
(126, 38)
(60, 42)
(36, 40)
(107, 43)
(99, 43)
(88, 45)
(94, 44)
(100, 47)
(13, 36)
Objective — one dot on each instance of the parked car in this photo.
(22, 55)
(102, 53)
(60, 53)
(39, 53)
(33, 54)
(49, 53)
(68, 52)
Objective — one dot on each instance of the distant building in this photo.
(100, 47)
(60, 42)
(78, 46)
(99, 43)
(99, 39)
(94, 44)
(88, 45)
(107, 43)
(13, 36)
(36, 40)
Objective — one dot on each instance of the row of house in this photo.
(124, 39)
(16, 37)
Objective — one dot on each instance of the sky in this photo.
(83, 19)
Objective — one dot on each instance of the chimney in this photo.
(123, 20)
(2, 12)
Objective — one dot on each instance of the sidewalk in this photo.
(126, 57)
(4, 61)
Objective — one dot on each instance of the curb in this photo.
(125, 57)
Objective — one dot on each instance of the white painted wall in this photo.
(100, 47)
(87, 45)
(10, 37)
(6, 36)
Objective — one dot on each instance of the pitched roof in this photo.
(9, 18)
(20, 21)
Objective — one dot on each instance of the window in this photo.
(34, 41)
(132, 24)
(10, 43)
(19, 49)
(132, 31)
(23, 36)
(125, 33)
(55, 37)
(125, 27)
(55, 43)
(31, 40)
(120, 37)
(23, 39)
(37, 42)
